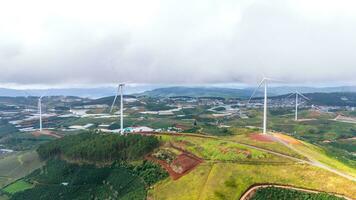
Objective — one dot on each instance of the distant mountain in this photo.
(288, 89)
(326, 98)
(199, 92)
(239, 93)
(79, 92)
(148, 90)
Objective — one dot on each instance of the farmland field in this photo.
(17, 186)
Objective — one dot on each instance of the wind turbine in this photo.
(120, 91)
(296, 93)
(265, 82)
(40, 111)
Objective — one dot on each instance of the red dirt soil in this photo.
(261, 138)
(186, 161)
(46, 132)
(286, 138)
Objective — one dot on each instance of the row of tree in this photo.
(274, 193)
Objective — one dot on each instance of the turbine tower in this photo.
(40, 111)
(120, 91)
(265, 82)
(297, 94)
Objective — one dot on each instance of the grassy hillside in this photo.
(17, 166)
(226, 175)
(208, 181)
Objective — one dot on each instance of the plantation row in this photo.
(98, 147)
(273, 193)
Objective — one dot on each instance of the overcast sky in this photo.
(95, 42)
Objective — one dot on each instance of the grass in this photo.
(18, 165)
(221, 150)
(242, 135)
(319, 154)
(230, 180)
(219, 179)
(186, 188)
(17, 186)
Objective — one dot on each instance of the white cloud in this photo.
(200, 41)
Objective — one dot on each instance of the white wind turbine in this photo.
(297, 94)
(265, 82)
(120, 91)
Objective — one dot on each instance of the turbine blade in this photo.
(272, 79)
(254, 92)
(303, 96)
(290, 95)
(113, 103)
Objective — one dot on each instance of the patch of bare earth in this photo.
(46, 132)
(181, 165)
(261, 137)
(287, 139)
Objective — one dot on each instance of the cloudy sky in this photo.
(98, 42)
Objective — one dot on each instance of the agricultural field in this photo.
(17, 186)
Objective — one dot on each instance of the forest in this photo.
(99, 147)
(59, 179)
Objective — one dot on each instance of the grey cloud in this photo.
(190, 42)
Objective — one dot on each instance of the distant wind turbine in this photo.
(265, 82)
(40, 111)
(297, 94)
(120, 91)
